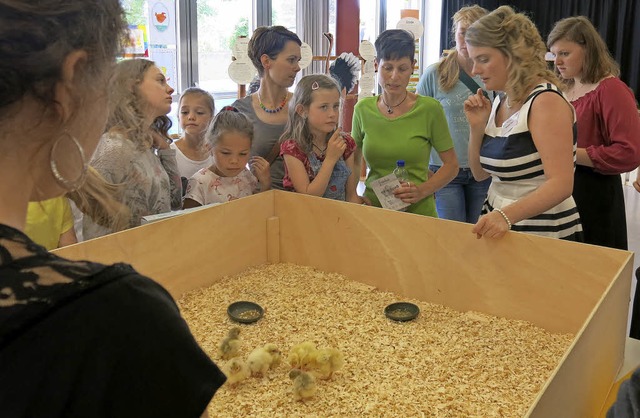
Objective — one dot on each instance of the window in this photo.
(283, 13)
(220, 22)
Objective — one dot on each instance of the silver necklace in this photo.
(390, 108)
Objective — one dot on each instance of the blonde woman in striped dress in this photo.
(526, 140)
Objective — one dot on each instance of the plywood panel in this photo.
(192, 250)
(552, 283)
(583, 380)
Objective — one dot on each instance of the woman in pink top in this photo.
(608, 134)
(608, 128)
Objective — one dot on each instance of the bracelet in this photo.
(506, 219)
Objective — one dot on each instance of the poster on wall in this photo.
(165, 59)
(162, 22)
(410, 20)
(163, 38)
(137, 42)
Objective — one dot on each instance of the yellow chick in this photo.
(230, 346)
(300, 355)
(276, 355)
(304, 384)
(326, 361)
(261, 359)
(236, 371)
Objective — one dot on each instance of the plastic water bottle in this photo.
(401, 172)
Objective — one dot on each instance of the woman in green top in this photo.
(400, 125)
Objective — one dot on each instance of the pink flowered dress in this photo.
(207, 187)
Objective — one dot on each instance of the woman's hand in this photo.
(491, 225)
(160, 141)
(260, 169)
(409, 193)
(336, 146)
(477, 109)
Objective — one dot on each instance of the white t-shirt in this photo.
(207, 187)
(188, 167)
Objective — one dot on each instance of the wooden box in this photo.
(560, 286)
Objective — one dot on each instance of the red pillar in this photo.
(348, 40)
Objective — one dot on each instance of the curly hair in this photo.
(448, 68)
(517, 38)
(126, 104)
(598, 62)
(269, 40)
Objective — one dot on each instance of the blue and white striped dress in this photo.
(509, 154)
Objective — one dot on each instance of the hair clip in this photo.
(229, 108)
(315, 86)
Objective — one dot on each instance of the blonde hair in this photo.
(515, 35)
(297, 127)
(126, 105)
(229, 119)
(598, 62)
(97, 198)
(448, 69)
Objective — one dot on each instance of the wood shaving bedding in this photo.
(443, 364)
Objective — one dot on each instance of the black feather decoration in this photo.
(345, 70)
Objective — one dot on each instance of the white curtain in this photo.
(312, 20)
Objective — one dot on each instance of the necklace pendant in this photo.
(389, 110)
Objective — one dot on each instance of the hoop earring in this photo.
(70, 185)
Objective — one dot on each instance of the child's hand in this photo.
(336, 146)
(260, 169)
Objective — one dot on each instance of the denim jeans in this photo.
(461, 199)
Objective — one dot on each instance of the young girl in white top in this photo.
(318, 157)
(195, 111)
(228, 178)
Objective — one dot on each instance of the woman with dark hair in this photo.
(275, 52)
(400, 125)
(77, 339)
(134, 153)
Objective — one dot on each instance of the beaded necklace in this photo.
(277, 109)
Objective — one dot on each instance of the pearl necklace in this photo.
(390, 108)
(277, 109)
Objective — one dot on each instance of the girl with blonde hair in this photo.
(318, 157)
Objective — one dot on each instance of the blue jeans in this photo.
(461, 199)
